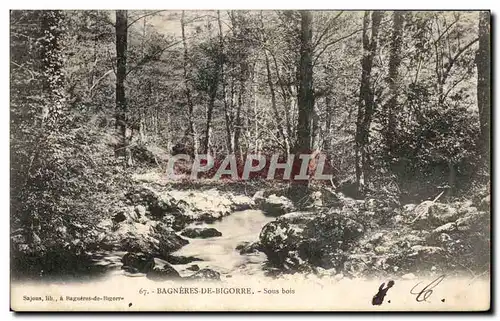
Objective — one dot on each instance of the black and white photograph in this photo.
(250, 160)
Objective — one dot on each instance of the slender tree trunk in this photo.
(142, 111)
(211, 103)
(452, 177)
(272, 90)
(241, 97)
(327, 141)
(255, 110)
(484, 82)
(123, 149)
(314, 129)
(242, 78)
(223, 82)
(285, 94)
(394, 63)
(366, 106)
(279, 120)
(191, 130)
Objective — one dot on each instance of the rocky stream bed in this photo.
(167, 234)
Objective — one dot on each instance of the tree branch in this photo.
(445, 31)
(99, 80)
(331, 43)
(144, 16)
(327, 28)
(148, 58)
(454, 59)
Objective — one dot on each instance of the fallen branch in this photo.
(424, 210)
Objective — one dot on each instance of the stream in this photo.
(219, 253)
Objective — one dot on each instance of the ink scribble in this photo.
(378, 298)
(426, 291)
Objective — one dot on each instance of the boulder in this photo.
(425, 252)
(299, 240)
(124, 214)
(446, 228)
(140, 262)
(187, 205)
(241, 202)
(206, 275)
(205, 206)
(140, 210)
(177, 259)
(440, 213)
(259, 196)
(474, 221)
(201, 232)
(166, 272)
(168, 240)
(131, 237)
(275, 205)
(143, 195)
(248, 247)
(430, 214)
(119, 217)
(193, 267)
(154, 238)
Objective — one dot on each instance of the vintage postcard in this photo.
(259, 160)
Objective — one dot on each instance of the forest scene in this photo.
(395, 105)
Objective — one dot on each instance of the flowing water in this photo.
(219, 253)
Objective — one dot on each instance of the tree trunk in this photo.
(366, 107)
(305, 95)
(305, 99)
(452, 177)
(211, 103)
(241, 97)
(191, 130)
(51, 67)
(285, 94)
(327, 140)
(274, 106)
(242, 78)
(229, 145)
(272, 90)
(391, 107)
(484, 82)
(149, 91)
(123, 149)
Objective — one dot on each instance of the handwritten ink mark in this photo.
(442, 300)
(426, 292)
(389, 301)
(130, 304)
(378, 298)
